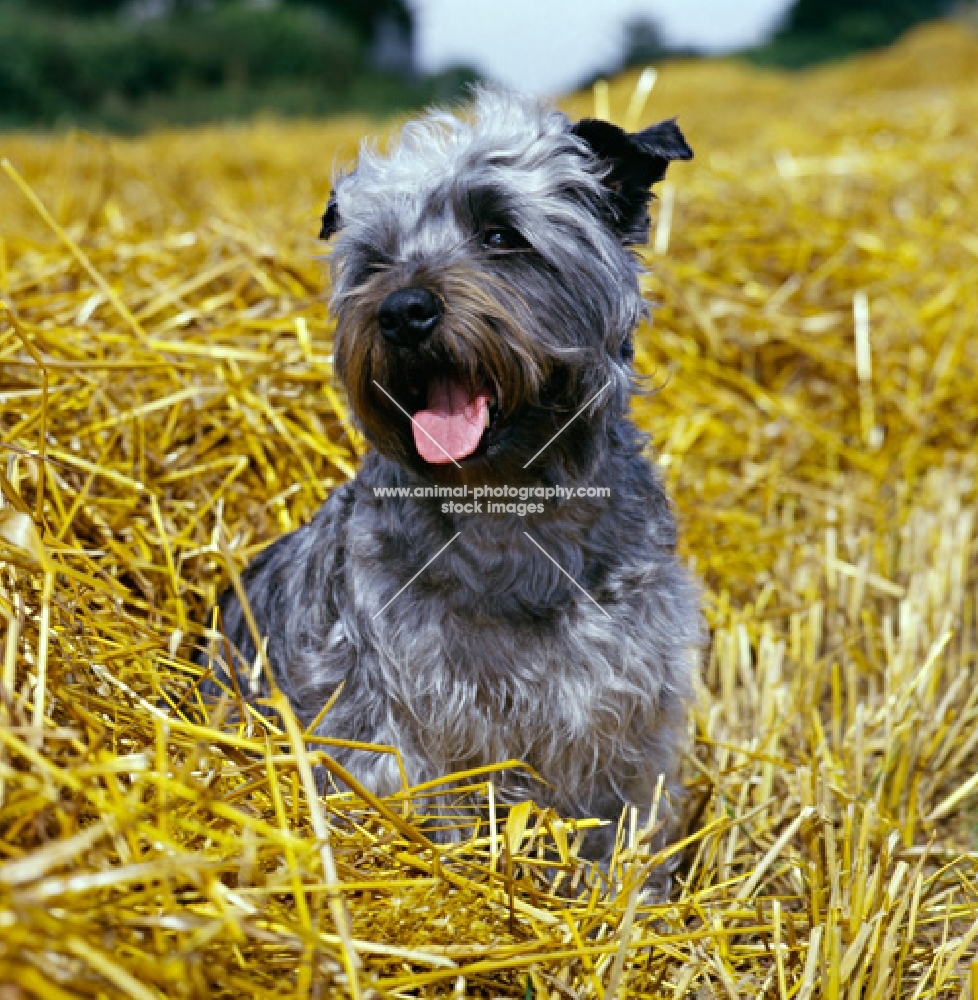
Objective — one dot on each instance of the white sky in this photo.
(547, 46)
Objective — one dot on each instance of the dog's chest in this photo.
(579, 675)
(488, 649)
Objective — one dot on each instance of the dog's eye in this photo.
(502, 238)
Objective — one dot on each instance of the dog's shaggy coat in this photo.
(562, 638)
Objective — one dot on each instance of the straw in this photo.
(168, 407)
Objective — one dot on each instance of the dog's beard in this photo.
(483, 392)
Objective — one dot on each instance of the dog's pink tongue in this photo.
(451, 427)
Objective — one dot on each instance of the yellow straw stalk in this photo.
(168, 407)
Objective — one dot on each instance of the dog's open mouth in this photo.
(452, 425)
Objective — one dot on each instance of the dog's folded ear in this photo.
(331, 218)
(635, 161)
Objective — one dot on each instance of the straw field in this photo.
(168, 407)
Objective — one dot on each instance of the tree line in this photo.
(128, 65)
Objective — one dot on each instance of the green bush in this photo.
(815, 31)
(230, 61)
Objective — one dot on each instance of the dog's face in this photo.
(484, 288)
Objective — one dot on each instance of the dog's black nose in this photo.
(407, 316)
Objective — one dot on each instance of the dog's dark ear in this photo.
(331, 218)
(635, 161)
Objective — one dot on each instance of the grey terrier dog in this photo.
(486, 296)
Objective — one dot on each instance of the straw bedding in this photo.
(168, 407)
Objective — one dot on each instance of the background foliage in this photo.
(58, 67)
(820, 30)
(130, 65)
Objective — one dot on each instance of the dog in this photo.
(486, 294)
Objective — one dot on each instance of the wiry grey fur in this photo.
(492, 653)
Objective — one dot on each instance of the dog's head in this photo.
(484, 288)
